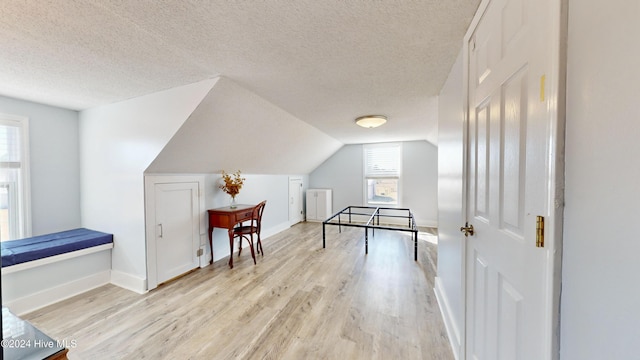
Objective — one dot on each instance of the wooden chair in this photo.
(247, 231)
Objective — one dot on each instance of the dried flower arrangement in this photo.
(232, 183)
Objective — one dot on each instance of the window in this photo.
(382, 174)
(14, 178)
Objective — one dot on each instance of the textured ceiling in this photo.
(325, 62)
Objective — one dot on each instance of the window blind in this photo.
(382, 160)
(9, 143)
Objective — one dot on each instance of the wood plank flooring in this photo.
(299, 302)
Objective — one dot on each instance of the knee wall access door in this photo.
(173, 229)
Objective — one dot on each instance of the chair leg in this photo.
(253, 255)
(260, 251)
(239, 245)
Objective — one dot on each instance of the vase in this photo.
(233, 203)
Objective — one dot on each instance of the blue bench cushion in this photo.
(38, 247)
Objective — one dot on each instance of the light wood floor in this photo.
(299, 302)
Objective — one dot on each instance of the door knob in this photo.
(467, 229)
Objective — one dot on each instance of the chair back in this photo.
(257, 215)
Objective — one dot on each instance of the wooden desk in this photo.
(227, 218)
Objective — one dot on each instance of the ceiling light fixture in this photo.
(371, 121)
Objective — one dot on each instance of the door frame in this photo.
(150, 181)
(555, 92)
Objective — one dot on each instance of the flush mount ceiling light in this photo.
(371, 121)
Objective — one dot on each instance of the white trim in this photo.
(453, 332)
(266, 233)
(427, 223)
(129, 282)
(25, 187)
(56, 294)
(558, 15)
(465, 171)
(55, 258)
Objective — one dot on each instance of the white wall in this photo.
(47, 281)
(234, 128)
(601, 269)
(420, 181)
(451, 246)
(117, 143)
(55, 164)
(343, 173)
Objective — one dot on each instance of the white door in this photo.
(177, 229)
(509, 299)
(295, 201)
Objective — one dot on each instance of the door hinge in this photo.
(540, 231)
(200, 252)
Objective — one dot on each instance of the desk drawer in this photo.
(245, 215)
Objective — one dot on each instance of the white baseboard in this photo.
(427, 223)
(274, 230)
(55, 294)
(129, 282)
(452, 329)
(223, 251)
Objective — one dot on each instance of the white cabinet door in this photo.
(319, 204)
(312, 214)
(177, 229)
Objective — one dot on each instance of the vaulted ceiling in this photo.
(234, 128)
(325, 62)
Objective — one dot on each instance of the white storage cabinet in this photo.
(319, 205)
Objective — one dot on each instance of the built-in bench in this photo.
(38, 247)
(45, 269)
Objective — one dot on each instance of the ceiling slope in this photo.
(325, 62)
(235, 129)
